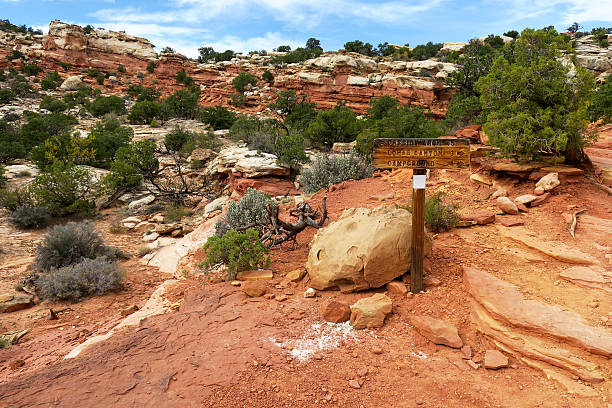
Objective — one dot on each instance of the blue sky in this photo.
(244, 25)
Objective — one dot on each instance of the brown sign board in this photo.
(421, 153)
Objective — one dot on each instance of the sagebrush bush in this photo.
(238, 251)
(328, 170)
(251, 209)
(29, 217)
(103, 105)
(69, 244)
(86, 278)
(439, 216)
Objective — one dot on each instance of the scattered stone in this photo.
(437, 331)
(494, 359)
(131, 220)
(135, 205)
(525, 199)
(370, 312)
(377, 350)
(144, 226)
(397, 288)
(548, 182)
(295, 276)
(500, 192)
(374, 249)
(162, 229)
(235, 283)
(150, 237)
(472, 364)
(129, 310)
(354, 384)
(467, 352)
(362, 372)
(310, 293)
(431, 282)
(512, 221)
(507, 206)
(478, 178)
(460, 364)
(335, 311)
(593, 305)
(540, 199)
(12, 337)
(14, 302)
(281, 298)
(176, 233)
(15, 364)
(253, 288)
(269, 296)
(255, 275)
(481, 217)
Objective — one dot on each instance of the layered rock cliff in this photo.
(332, 77)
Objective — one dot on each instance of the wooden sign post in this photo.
(420, 155)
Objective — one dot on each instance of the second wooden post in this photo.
(418, 231)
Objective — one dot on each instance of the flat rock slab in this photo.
(437, 331)
(263, 274)
(371, 311)
(510, 221)
(504, 301)
(557, 250)
(494, 359)
(593, 277)
(13, 302)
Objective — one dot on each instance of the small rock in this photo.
(477, 178)
(512, 221)
(310, 293)
(437, 331)
(254, 288)
(431, 282)
(281, 298)
(131, 220)
(260, 274)
(15, 364)
(176, 233)
(162, 229)
(541, 199)
(235, 283)
(593, 305)
(371, 311)
(6, 297)
(472, 364)
(522, 208)
(525, 199)
(377, 350)
(336, 312)
(269, 296)
(548, 182)
(494, 360)
(14, 302)
(129, 310)
(538, 191)
(362, 372)
(150, 237)
(507, 206)
(135, 205)
(460, 364)
(295, 275)
(397, 288)
(467, 352)
(481, 217)
(354, 384)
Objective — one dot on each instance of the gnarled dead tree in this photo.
(278, 231)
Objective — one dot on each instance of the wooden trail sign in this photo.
(420, 155)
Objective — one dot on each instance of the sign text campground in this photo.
(421, 153)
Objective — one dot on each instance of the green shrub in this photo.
(100, 79)
(426, 51)
(208, 53)
(31, 69)
(28, 217)
(151, 67)
(80, 96)
(188, 81)
(200, 140)
(242, 80)
(218, 117)
(267, 76)
(328, 170)
(290, 151)
(2, 177)
(180, 76)
(462, 111)
(65, 65)
(361, 48)
(108, 136)
(69, 244)
(103, 105)
(183, 103)
(86, 278)
(15, 55)
(311, 50)
(252, 209)
(65, 189)
(176, 139)
(23, 89)
(143, 93)
(338, 124)
(2, 75)
(6, 96)
(15, 198)
(52, 104)
(39, 128)
(238, 100)
(121, 69)
(438, 216)
(144, 112)
(239, 251)
(601, 104)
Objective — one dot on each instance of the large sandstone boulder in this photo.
(71, 83)
(248, 162)
(362, 249)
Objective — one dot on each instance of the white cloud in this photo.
(584, 10)
(563, 11)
